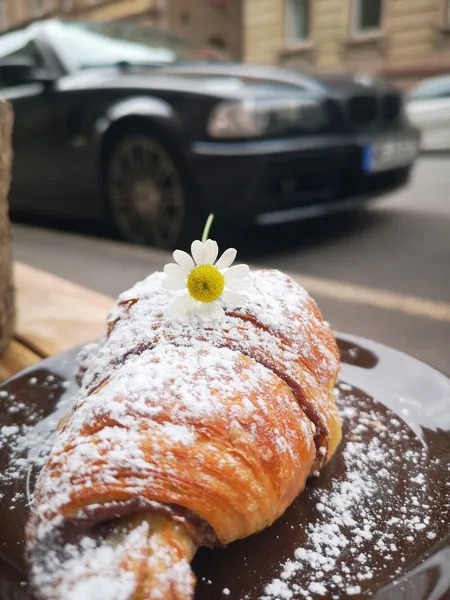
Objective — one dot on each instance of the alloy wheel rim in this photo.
(146, 192)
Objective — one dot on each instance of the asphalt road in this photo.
(383, 273)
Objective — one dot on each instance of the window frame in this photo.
(306, 42)
(22, 48)
(356, 32)
(49, 57)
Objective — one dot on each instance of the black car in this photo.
(154, 131)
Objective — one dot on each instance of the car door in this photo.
(33, 158)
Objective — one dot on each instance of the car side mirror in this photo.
(19, 70)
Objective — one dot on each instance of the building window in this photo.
(3, 15)
(185, 18)
(297, 14)
(37, 7)
(366, 16)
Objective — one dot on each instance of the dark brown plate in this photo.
(374, 524)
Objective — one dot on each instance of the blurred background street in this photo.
(382, 273)
(135, 119)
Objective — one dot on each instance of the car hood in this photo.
(335, 84)
(230, 80)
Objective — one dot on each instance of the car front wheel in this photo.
(147, 193)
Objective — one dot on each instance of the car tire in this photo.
(149, 198)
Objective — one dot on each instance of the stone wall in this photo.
(263, 30)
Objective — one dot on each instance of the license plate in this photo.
(388, 154)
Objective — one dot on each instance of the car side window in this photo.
(436, 89)
(19, 44)
(443, 91)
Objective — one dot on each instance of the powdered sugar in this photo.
(363, 514)
(397, 515)
(170, 395)
(154, 389)
(89, 570)
(26, 438)
(280, 327)
(179, 433)
(352, 590)
(137, 375)
(279, 305)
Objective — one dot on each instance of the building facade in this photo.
(400, 39)
(14, 13)
(217, 22)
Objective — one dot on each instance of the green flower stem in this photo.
(208, 224)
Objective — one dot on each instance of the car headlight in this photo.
(255, 118)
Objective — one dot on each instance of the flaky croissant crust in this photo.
(224, 421)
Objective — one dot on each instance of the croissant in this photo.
(184, 434)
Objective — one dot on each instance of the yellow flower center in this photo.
(205, 283)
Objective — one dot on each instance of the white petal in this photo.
(211, 251)
(184, 260)
(182, 305)
(174, 283)
(174, 271)
(198, 252)
(227, 258)
(236, 272)
(203, 311)
(209, 311)
(233, 299)
(236, 284)
(216, 311)
(176, 278)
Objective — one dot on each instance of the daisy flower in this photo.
(206, 285)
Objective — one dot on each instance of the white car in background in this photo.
(428, 108)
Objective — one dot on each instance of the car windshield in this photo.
(84, 45)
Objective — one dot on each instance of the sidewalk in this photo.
(111, 267)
